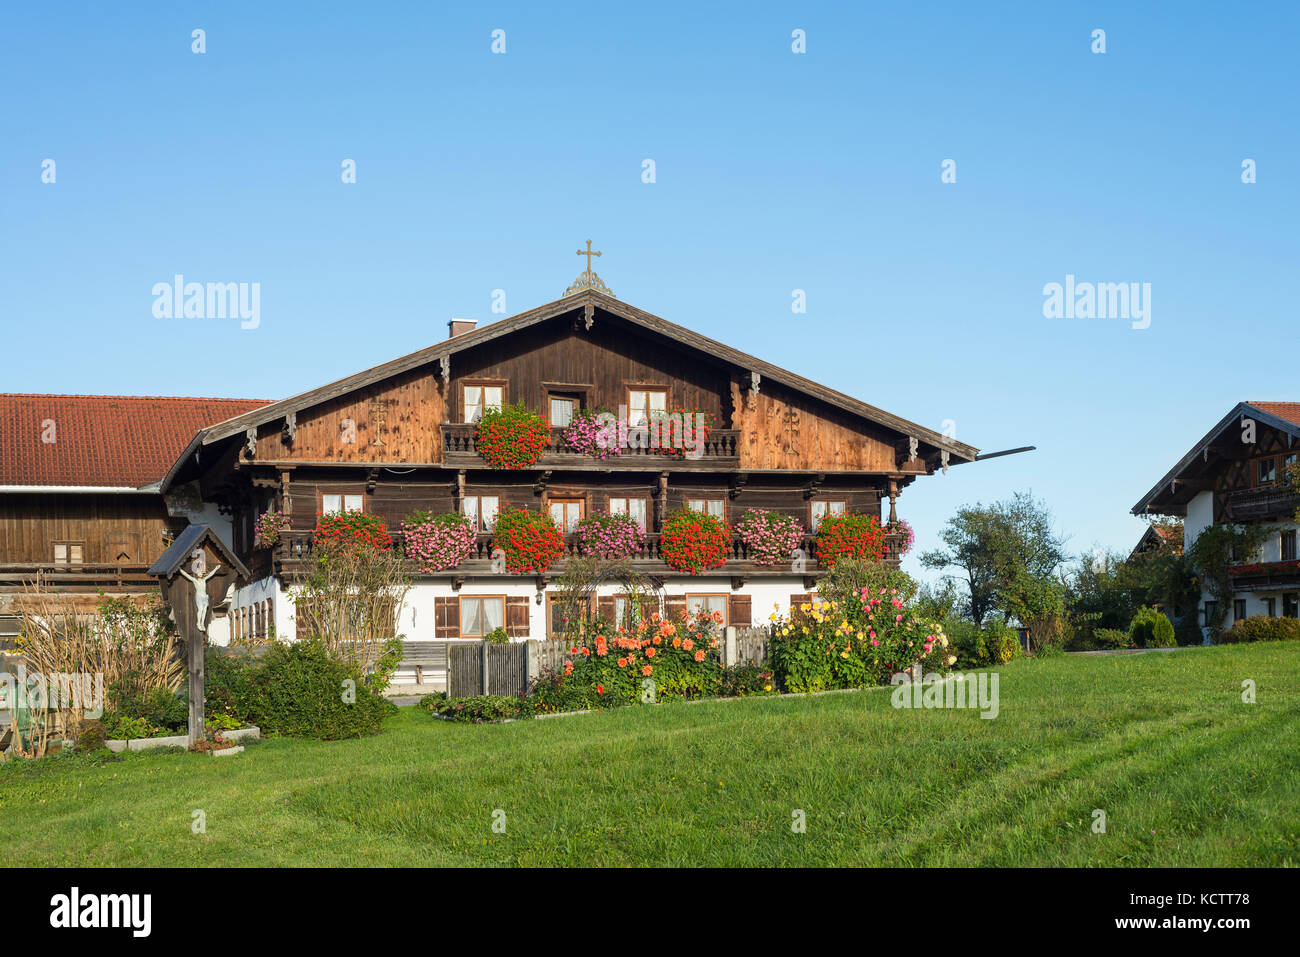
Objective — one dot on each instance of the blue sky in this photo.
(774, 172)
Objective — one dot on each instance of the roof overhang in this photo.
(79, 489)
(586, 300)
(1194, 471)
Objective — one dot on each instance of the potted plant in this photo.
(437, 542)
(694, 541)
(771, 537)
(607, 535)
(268, 526)
(529, 541)
(512, 437)
(851, 535)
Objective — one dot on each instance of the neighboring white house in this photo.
(1236, 474)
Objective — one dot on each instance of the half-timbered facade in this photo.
(1236, 474)
(400, 437)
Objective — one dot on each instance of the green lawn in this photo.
(1186, 773)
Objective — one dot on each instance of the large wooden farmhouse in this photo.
(1235, 475)
(401, 437)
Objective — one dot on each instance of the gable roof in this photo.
(1181, 483)
(679, 334)
(101, 441)
(178, 552)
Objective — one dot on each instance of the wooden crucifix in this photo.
(194, 575)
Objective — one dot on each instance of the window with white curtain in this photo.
(482, 509)
(332, 504)
(633, 507)
(481, 616)
(709, 506)
(480, 399)
(821, 509)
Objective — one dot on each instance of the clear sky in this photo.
(774, 171)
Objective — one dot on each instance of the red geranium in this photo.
(849, 536)
(694, 541)
(513, 437)
(530, 541)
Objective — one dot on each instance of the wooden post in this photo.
(729, 648)
(486, 670)
(197, 649)
(533, 667)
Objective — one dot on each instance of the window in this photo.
(1288, 546)
(1270, 607)
(644, 403)
(480, 399)
(1211, 609)
(634, 507)
(482, 509)
(332, 503)
(481, 616)
(709, 506)
(707, 604)
(821, 509)
(68, 553)
(567, 513)
(562, 408)
(1238, 609)
(559, 611)
(1290, 605)
(1267, 472)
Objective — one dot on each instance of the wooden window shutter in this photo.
(739, 611)
(795, 602)
(517, 616)
(674, 606)
(606, 608)
(446, 618)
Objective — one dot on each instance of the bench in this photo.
(424, 654)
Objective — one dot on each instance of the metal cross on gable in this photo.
(588, 254)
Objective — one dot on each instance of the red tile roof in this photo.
(101, 440)
(1283, 410)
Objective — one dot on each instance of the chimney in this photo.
(458, 327)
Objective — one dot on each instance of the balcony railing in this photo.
(89, 575)
(1246, 504)
(295, 551)
(720, 445)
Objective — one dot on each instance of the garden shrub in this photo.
(498, 636)
(1109, 639)
(91, 735)
(156, 713)
(845, 581)
(1262, 628)
(228, 691)
(745, 680)
(967, 642)
(480, 709)
(300, 691)
(856, 644)
(656, 658)
(1151, 629)
(1001, 643)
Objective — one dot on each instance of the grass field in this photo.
(1186, 772)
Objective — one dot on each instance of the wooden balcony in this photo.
(720, 449)
(87, 576)
(292, 559)
(1260, 504)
